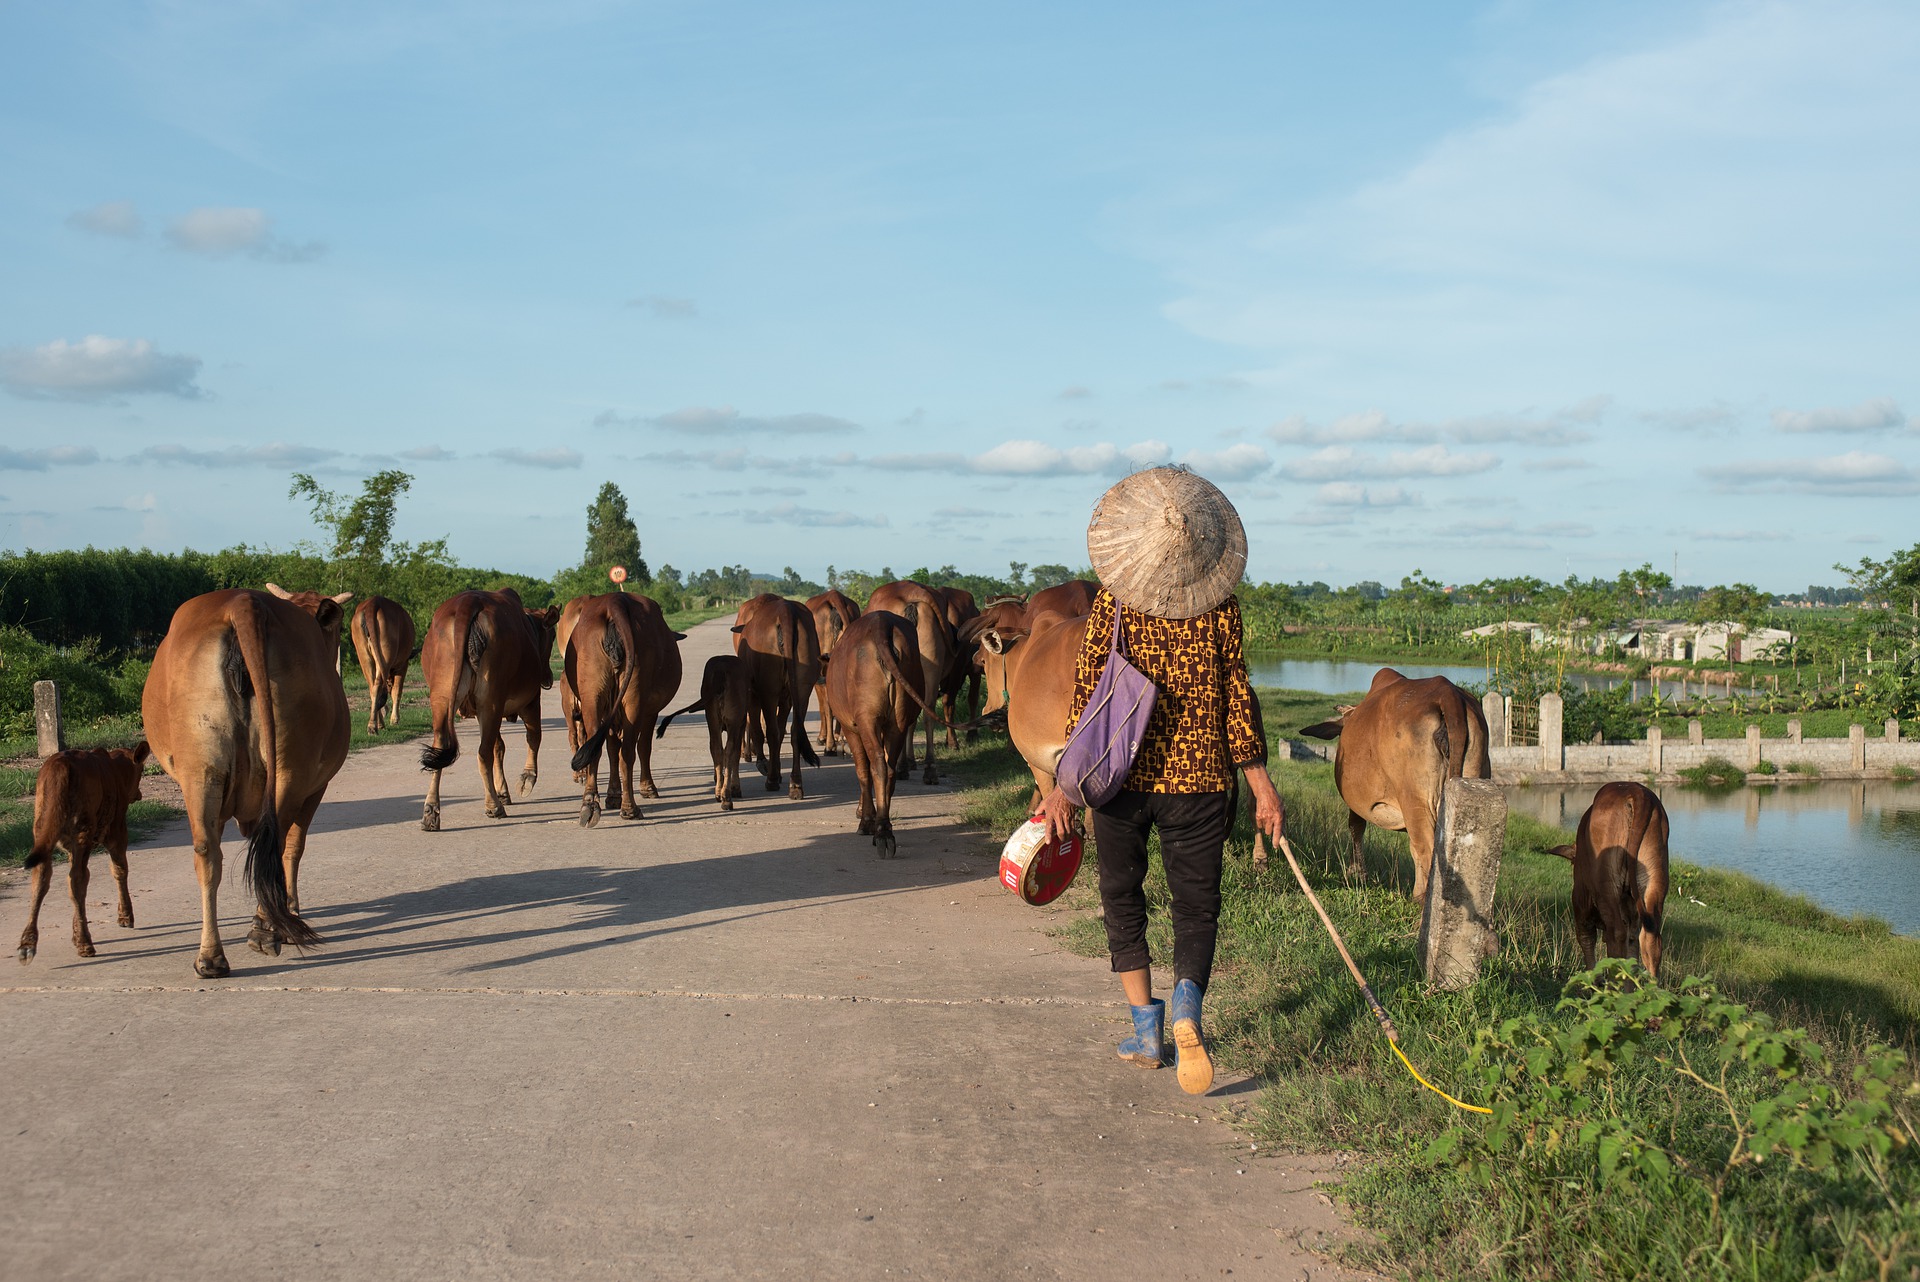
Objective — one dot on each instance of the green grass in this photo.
(1810, 769)
(1283, 1008)
(1715, 773)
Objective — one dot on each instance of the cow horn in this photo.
(279, 591)
(341, 598)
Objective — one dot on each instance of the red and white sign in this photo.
(618, 574)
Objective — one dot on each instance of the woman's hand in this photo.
(1058, 812)
(1269, 812)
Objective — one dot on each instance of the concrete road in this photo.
(697, 1045)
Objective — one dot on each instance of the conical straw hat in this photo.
(1167, 543)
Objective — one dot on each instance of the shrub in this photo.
(91, 687)
(1715, 772)
(1766, 768)
(1809, 768)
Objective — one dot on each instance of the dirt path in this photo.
(698, 1045)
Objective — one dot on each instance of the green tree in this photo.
(362, 530)
(612, 537)
(1738, 603)
(1896, 579)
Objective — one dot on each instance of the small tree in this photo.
(612, 537)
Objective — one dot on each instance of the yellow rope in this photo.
(1373, 1003)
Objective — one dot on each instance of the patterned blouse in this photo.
(1206, 722)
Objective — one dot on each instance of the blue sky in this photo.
(1474, 288)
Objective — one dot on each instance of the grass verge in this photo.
(1448, 1195)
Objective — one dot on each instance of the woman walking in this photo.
(1169, 549)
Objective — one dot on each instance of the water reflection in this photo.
(1850, 847)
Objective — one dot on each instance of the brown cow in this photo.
(244, 709)
(488, 657)
(562, 633)
(832, 611)
(1030, 674)
(961, 670)
(874, 679)
(1398, 747)
(925, 611)
(80, 800)
(622, 665)
(383, 640)
(1619, 863)
(776, 641)
(724, 698)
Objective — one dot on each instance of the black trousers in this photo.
(1193, 836)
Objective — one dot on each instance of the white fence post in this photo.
(1552, 750)
(46, 718)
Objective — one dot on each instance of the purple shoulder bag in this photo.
(1101, 749)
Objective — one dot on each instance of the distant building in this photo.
(1659, 640)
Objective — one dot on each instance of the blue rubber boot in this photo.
(1146, 1047)
(1190, 1045)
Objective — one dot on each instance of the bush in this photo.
(1715, 772)
(91, 686)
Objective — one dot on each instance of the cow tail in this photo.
(444, 748)
(891, 665)
(52, 793)
(786, 641)
(1637, 833)
(660, 732)
(370, 645)
(264, 845)
(589, 755)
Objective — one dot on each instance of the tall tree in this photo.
(612, 537)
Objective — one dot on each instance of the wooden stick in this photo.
(1373, 1003)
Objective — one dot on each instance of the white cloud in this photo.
(111, 218)
(1075, 393)
(1736, 536)
(1349, 494)
(1557, 463)
(1717, 417)
(218, 231)
(812, 518)
(665, 307)
(1027, 458)
(1877, 415)
(1563, 427)
(739, 459)
(429, 454)
(1372, 425)
(1488, 429)
(1853, 473)
(553, 457)
(277, 454)
(97, 368)
(12, 460)
(1342, 463)
(724, 420)
(1235, 463)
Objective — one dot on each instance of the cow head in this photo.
(993, 648)
(1330, 729)
(326, 611)
(128, 766)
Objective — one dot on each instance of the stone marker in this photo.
(1552, 716)
(1857, 744)
(1793, 730)
(1695, 735)
(1456, 930)
(1656, 750)
(1493, 705)
(46, 718)
(1753, 748)
(1893, 730)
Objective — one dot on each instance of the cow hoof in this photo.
(590, 815)
(726, 803)
(84, 948)
(795, 791)
(647, 789)
(888, 846)
(430, 819)
(735, 791)
(496, 810)
(211, 967)
(929, 776)
(773, 785)
(630, 812)
(866, 827)
(528, 778)
(126, 919)
(265, 941)
(26, 953)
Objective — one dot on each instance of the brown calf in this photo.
(874, 681)
(622, 664)
(80, 801)
(1398, 748)
(724, 698)
(383, 640)
(832, 611)
(1619, 863)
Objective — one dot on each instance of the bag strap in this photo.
(1117, 643)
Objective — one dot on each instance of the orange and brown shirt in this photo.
(1206, 722)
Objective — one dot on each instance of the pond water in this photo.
(1345, 676)
(1849, 847)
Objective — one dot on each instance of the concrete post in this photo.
(46, 718)
(1753, 749)
(1857, 745)
(1506, 720)
(1695, 735)
(1494, 706)
(1656, 750)
(1456, 930)
(1793, 730)
(1552, 751)
(1893, 730)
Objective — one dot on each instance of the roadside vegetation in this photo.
(1751, 1118)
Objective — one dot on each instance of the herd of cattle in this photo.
(245, 709)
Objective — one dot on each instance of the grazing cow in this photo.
(383, 641)
(777, 643)
(832, 611)
(487, 657)
(925, 611)
(724, 698)
(874, 680)
(622, 664)
(1398, 747)
(961, 671)
(1030, 675)
(244, 708)
(80, 801)
(1620, 873)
